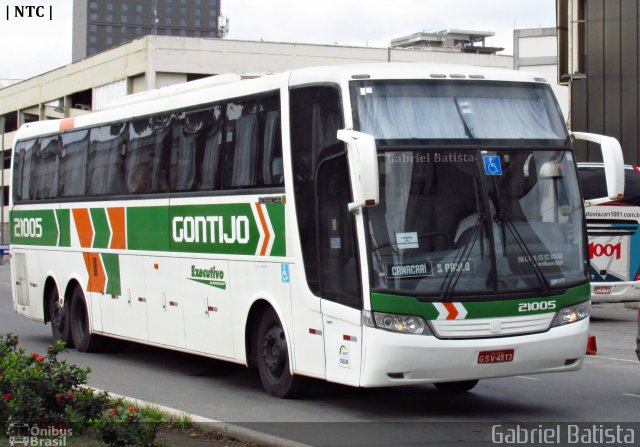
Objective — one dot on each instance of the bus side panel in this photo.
(252, 281)
(207, 306)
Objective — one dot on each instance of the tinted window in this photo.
(252, 153)
(594, 184)
(45, 169)
(105, 163)
(146, 165)
(22, 166)
(73, 164)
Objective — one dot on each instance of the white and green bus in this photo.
(370, 225)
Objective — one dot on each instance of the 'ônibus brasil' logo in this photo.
(209, 276)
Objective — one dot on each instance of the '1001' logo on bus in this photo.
(608, 250)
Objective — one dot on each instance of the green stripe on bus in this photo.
(148, 228)
(64, 227)
(276, 215)
(111, 264)
(408, 305)
(101, 228)
(35, 227)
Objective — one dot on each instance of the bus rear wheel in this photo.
(59, 318)
(456, 387)
(83, 339)
(273, 360)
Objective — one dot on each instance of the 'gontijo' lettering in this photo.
(211, 229)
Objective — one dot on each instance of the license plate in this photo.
(602, 290)
(502, 356)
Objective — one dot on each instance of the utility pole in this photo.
(2, 204)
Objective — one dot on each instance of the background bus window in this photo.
(594, 184)
(23, 161)
(105, 161)
(45, 169)
(73, 161)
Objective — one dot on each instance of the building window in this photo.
(183, 33)
(196, 22)
(183, 22)
(183, 11)
(93, 39)
(123, 30)
(123, 19)
(139, 31)
(93, 28)
(138, 8)
(123, 8)
(109, 29)
(169, 10)
(109, 40)
(109, 18)
(109, 6)
(93, 17)
(93, 5)
(167, 21)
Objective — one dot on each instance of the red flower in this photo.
(7, 397)
(72, 395)
(132, 409)
(114, 411)
(37, 357)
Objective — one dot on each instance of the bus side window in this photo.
(253, 144)
(211, 141)
(45, 169)
(22, 171)
(73, 159)
(145, 154)
(104, 164)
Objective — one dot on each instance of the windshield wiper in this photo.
(505, 220)
(451, 279)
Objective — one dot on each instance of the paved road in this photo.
(607, 389)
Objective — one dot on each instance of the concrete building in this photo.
(157, 61)
(536, 50)
(99, 25)
(463, 41)
(599, 60)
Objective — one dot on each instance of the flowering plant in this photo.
(124, 424)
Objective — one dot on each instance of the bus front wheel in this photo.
(83, 339)
(273, 359)
(456, 387)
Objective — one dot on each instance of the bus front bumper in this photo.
(615, 292)
(401, 359)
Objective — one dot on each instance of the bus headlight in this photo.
(408, 324)
(571, 314)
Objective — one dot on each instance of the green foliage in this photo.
(43, 390)
(123, 424)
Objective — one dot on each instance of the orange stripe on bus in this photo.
(95, 269)
(83, 226)
(67, 124)
(453, 312)
(118, 236)
(267, 235)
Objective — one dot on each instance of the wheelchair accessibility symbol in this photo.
(492, 165)
(284, 273)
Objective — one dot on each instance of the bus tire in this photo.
(59, 318)
(456, 387)
(273, 359)
(83, 339)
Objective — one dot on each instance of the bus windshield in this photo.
(396, 111)
(465, 220)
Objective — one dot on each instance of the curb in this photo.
(211, 425)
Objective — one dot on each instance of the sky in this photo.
(31, 46)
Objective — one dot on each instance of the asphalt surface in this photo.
(605, 390)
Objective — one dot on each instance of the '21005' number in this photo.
(28, 227)
(538, 305)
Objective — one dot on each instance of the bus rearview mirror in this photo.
(613, 164)
(363, 168)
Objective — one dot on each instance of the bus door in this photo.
(340, 287)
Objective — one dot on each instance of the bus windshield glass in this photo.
(471, 218)
(397, 111)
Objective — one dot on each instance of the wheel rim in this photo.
(274, 352)
(57, 317)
